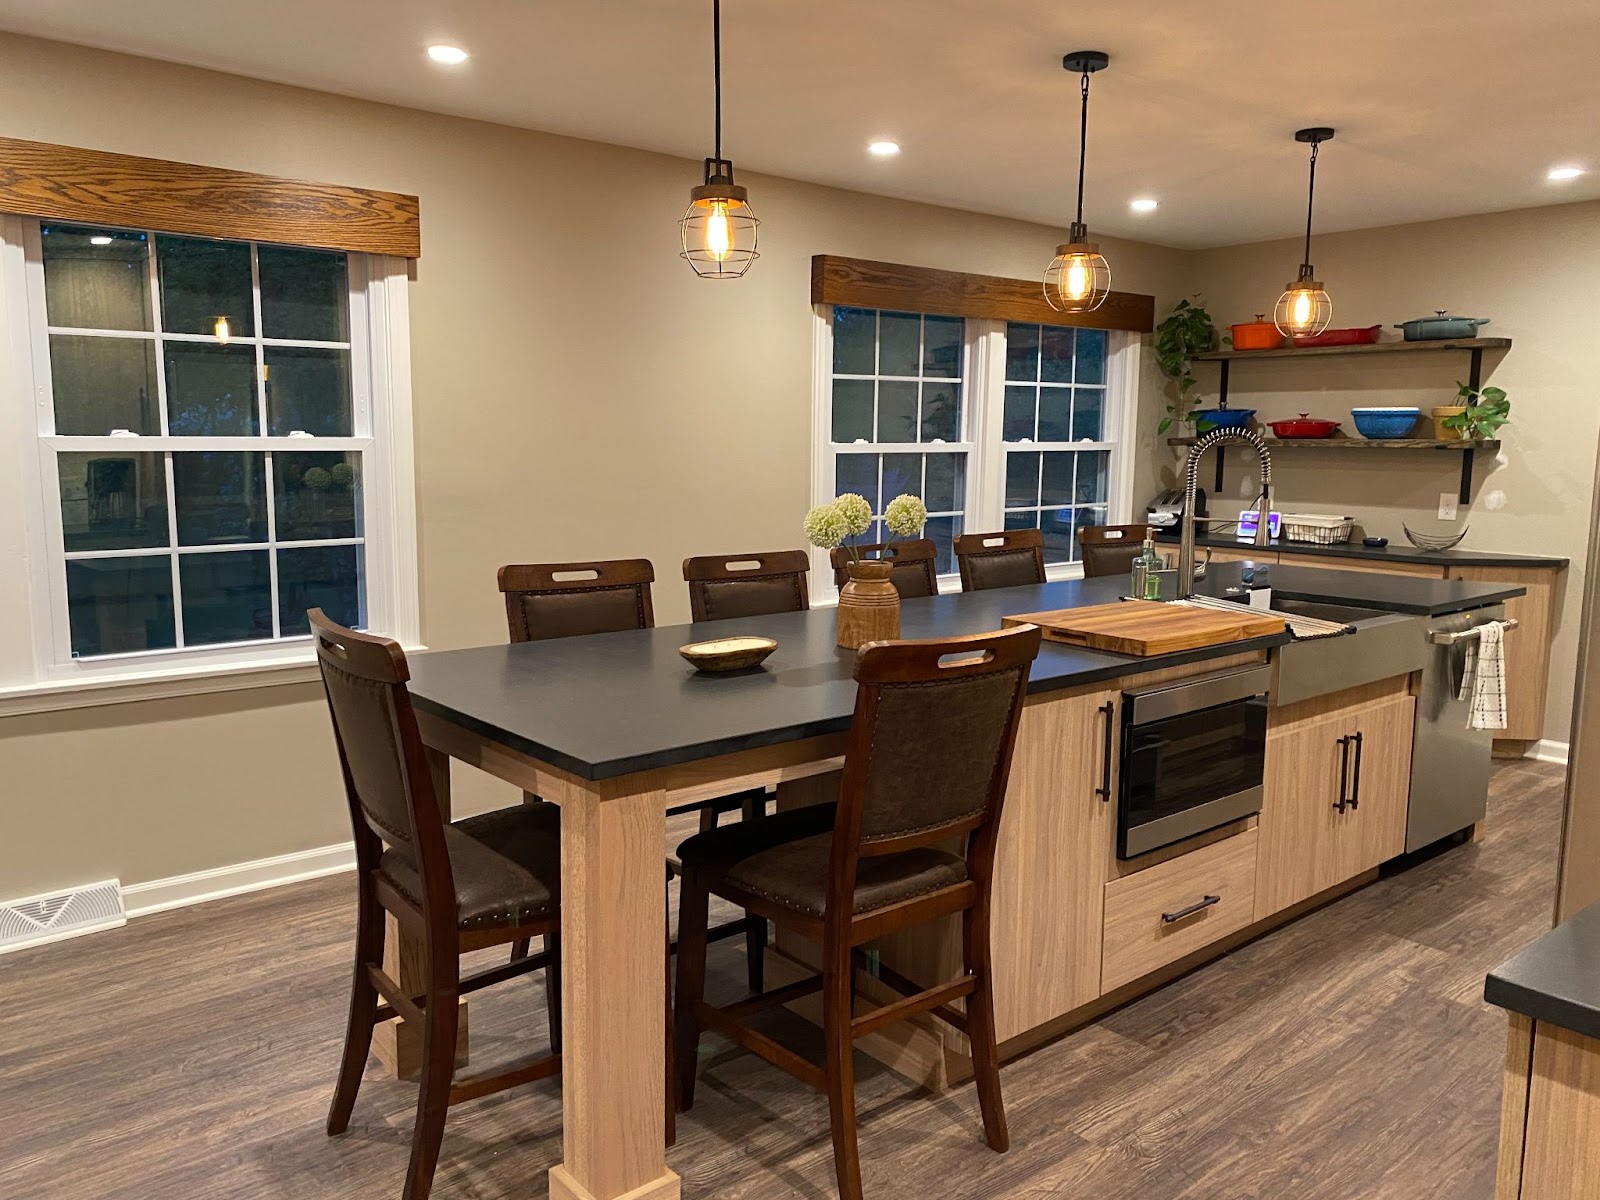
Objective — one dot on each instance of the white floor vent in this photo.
(36, 919)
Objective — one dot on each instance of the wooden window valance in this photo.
(861, 283)
(66, 183)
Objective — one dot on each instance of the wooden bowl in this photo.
(729, 653)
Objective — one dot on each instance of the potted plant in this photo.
(1187, 331)
(1479, 415)
(869, 605)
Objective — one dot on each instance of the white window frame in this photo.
(983, 414)
(382, 431)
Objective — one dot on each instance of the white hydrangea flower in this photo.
(905, 515)
(824, 527)
(855, 512)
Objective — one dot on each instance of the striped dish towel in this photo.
(1483, 680)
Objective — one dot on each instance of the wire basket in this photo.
(1316, 529)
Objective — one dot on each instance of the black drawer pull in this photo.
(1344, 772)
(1355, 781)
(1189, 910)
(1108, 710)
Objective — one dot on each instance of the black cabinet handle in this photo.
(1189, 910)
(1344, 773)
(1355, 782)
(1108, 710)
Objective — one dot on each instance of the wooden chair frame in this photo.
(374, 996)
(1092, 538)
(1009, 542)
(718, 568)
(840, 931)
(605, 576)
(918, 554)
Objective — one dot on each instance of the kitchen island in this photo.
(616, 729)
(1527, 648)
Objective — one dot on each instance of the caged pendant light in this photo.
(719, 229)
(1304, 308)
(1079, 278)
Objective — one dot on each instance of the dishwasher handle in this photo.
(1445, 637)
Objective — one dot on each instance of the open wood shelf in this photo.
(1374, 348)
(1349, 443)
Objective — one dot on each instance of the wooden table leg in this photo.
(612, 928)
(396, 1043)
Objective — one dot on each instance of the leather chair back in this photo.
(1013, 558)
(914, 573)
(554, 600)
(723, 586)
(1110, 549)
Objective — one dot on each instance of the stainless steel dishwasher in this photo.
(1449, 762)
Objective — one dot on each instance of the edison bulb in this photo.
(1301, 314)
(719, 238)
(223, 330)
(1076, 281)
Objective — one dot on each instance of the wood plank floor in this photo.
(191, 1054)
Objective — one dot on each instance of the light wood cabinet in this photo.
(1311, 836)
(1527, 646)
(1328, 563)
(1050, 864)
(1157, 916)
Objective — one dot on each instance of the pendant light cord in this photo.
(1083, 146)
(716, 70)
(1311, 196)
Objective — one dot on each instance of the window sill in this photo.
(60, 695)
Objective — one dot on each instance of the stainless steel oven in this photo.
(1193, 753)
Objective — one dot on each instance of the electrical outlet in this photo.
(1447, 506)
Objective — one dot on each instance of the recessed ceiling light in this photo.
(1562, 174)
(1144, 204)
(883, 149)
(450, 56)
(100, 240)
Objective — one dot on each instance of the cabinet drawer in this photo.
(1138, 938)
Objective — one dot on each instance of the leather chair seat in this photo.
(506, 865)
(784, 859)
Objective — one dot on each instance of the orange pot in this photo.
(1260, 334)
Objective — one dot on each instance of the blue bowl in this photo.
(1208, 419)
(1381, 423)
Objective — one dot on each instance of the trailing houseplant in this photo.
(1187, 331)
(1483, 411)
(869, 604)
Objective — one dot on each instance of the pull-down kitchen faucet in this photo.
(1191, 478)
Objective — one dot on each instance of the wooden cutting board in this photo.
(1145, 627)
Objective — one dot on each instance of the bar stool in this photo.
(458, 887)
(913, 574)
(927, 760)
(997, 560)
(1110, 549)
(722, 587)
(555, 600)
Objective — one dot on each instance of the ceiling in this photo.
(1442, 109)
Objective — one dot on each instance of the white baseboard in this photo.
(1550, 752)
(158, 895)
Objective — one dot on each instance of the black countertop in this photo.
(1557, 979)
(1402, 552)
(616, 703)
(1415, 594)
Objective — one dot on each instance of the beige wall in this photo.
(578, 393)
(1530, 272)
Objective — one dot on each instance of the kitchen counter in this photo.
(1372, 589)
(1557, 979)
(611, 704)
(1401, 553)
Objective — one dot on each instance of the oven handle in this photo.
(1344, 773)
(1189, 910)
(1355, 782)
(1108, 710)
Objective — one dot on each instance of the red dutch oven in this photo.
(1304, 427)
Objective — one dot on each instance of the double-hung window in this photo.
(209, 425)
(993, 424)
